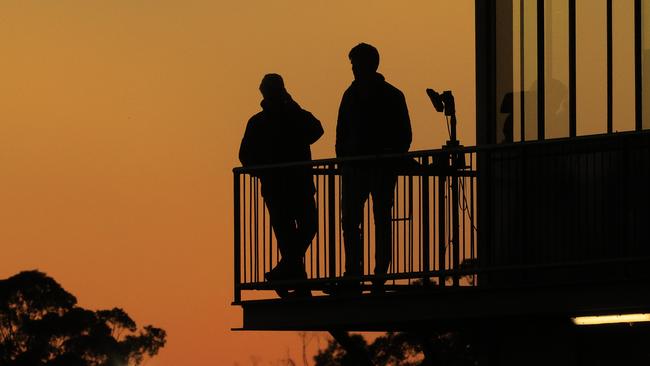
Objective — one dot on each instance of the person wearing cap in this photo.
(373, 119)
(282, 133)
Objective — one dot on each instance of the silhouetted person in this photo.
(373, 119)
(282, 133)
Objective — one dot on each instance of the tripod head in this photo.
(443, 102)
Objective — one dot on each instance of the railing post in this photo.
(441, 225)
(331, 211)
(455, 225)
(237, 236)
(424, 186)
(638, 65)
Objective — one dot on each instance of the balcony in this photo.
(546, 229)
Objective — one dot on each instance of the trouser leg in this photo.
(305, 215)
(354, 195)
(283, 224)
(382, 197)
(306, 218)
(294, 220)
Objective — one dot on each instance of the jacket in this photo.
(281, 133)
(373, 119)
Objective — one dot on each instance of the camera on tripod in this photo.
(442, 102)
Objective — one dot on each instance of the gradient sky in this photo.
(120, 122)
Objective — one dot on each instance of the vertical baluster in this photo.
(424, 220)
(331, 181)
(237, 236)
(441, 227)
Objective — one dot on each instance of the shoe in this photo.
(378, 288)
(282, 292)
(279, 272)
(285, 272)
(345, 288)
(300, 292)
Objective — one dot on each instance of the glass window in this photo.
(523, 101)
(556, 62)
(591, 67)
(623, 87)
(517, 50)
(646, 62)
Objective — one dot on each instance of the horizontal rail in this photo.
(610, 263)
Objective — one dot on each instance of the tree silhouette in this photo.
(40, 325)
(335, 355)
(404, 349)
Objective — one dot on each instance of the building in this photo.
(542, 222)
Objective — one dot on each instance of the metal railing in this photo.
(550, 212)
(433, 222)
(578, 203)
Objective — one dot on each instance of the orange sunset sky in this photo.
(120, 122)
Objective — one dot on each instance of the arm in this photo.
(313, 128)
(342, 126)
(404, 134)
(247, 153)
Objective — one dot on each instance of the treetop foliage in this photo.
(404, 349)
(41, 325)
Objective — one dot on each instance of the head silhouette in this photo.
(272, 87)
(365, 61)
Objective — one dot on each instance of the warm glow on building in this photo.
(611, 319)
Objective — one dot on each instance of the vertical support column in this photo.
(424, 187)
(572, 69)
(484, 212)
(455, 242)
(237, 237)
(638, 65)
(331, 212)
(485, 71)
(610, 75)
(441, 225)
(522, 65)
(541, 70)
(504, 68)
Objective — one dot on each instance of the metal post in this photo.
(425, 219)
(453, 124)
(522, 85)
(610, 77)
(441, 226)
(331, 211)
(638, 66)
(237, 237)
(572, 69)
(455, 225)
(541, 70)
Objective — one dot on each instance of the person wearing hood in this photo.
(373, 119)
(282, 133)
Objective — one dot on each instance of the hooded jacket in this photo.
(281, 133)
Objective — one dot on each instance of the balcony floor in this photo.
(445, 308)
